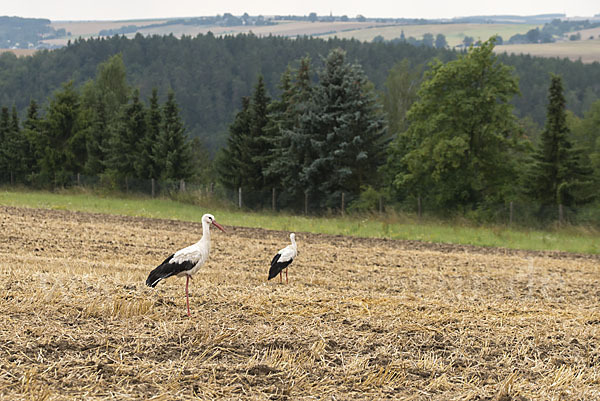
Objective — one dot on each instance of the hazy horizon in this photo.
(71, 10)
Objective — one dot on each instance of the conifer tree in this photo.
(172, 151)
(4, 134)
(233, 158)
(348, 131)
(32, 131)
(260, 142)
(291, 123)
(558, 174)
(124, 141)
(147, 165)
(15, 148)
(62, 140)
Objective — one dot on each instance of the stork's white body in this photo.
(186, 261)
(283, 258)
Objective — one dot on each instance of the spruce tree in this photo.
(172, 151)
(259, 139)
(4, 134)
(232, 160)
(348, 131)
(290, 122)
(147, 165)
(558, 174)
(62, 138)
(124, 142)
(32, 131)
(15, 148)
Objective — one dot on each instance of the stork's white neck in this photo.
(205, 232)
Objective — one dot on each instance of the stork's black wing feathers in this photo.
(167, 269)
(277, 267)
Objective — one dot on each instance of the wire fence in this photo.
(513, 213)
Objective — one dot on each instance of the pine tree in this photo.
(15, 148)
(260, 142)
(4, 134)
(62, 138)
(147, 166)
(558, 174)
(172, 151)
(348, 131)
(290, 122)
(124, 142)
(32, 131)
(232, 160)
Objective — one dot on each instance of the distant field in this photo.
(588, 51)
(455, 33)
(19, 52)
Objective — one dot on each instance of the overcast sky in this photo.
(143, 9)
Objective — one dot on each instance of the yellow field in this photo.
(588, 51)
(360, 319)
(454, 33)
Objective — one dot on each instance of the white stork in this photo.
(186, 261)
(283, 258)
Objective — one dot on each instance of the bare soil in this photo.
(360, 318)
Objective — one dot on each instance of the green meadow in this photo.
(387, 225)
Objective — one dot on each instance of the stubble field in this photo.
(360, 319)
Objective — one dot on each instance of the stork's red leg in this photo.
(280, 279)
(286, 281)
(187, 296)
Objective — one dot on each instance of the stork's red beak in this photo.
(220, 227)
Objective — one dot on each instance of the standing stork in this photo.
(186, 261)
(283, 258)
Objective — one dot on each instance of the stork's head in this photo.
(210, 219)
(293, 237)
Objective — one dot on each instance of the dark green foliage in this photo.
(234, 158)
(147, 164)
(347, 132)
(291, 120)
(14, 149)
(124, 143)
(558, 173)
(259, 139)
(172, 152)
(458, 150)
(211, 74)
(62, 141)
(243, 163)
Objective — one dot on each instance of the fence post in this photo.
(240, 197)
(419, 206)
(182, 186)
(380, 204)
(212, 186)
(273, 199)
(305, 203)
(511, 213)
(343, 203)
(153, 187)
(78, 179)
(560, 214)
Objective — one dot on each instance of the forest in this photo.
(210, 74)
(320, 121)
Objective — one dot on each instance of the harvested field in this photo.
(360, 319)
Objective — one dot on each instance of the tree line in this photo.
(101, 129)
(443, 136)
(211, 74)
(452, 144)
